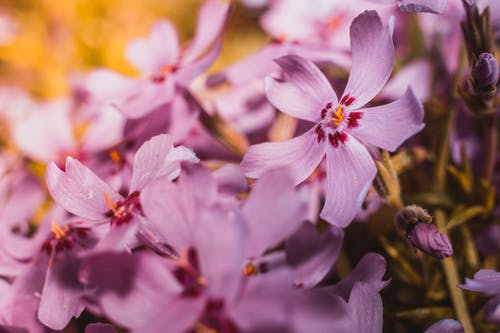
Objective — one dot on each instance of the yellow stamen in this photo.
(250, 269)
(110, 203)
(58, 231)
(115, 156)
(338, 115)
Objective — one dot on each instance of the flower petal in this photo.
(350, 172)
(188, 72)
(304, 90)
(61, 295)
(220, 244)
(301, 154)
(79, 190)
(100, 328)
(164, 198)
(312, 254)
(157, 158)
(365, 304)
(447, 325)
(274, 210)
(423, 6)
(372, 58)
(211, 19)
(388, 126)
(370, 269)
(151, 54)
(255, 66)
(485, 281)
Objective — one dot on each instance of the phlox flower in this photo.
(343, 130)
(163, 64)
(84, 194)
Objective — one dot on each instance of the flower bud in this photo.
(425, 237)
(422, 234)
(486, 72)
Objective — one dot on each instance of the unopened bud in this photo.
(486, 72)
(425, 237)
(422, 234)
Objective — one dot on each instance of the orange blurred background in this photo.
(44, 42)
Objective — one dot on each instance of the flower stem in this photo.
(490, 123)
(453, 279)
(449, 264)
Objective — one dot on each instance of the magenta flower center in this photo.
(162, 74)
(336, 121)
(121, 212)
(189, 276)
(62, 238)
(214, 319)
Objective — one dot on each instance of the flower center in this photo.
(62, 238)
(337, 121)
(122, 211)
(189, 276)
(214, 319)
(162, 74)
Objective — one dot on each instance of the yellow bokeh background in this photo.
(56, 39)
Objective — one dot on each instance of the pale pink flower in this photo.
(343, 130)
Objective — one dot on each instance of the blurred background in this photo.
(44, 42)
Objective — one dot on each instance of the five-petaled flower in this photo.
(343, 130)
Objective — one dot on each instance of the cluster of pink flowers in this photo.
(147, 221)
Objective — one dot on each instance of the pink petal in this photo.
(485, 281)
(301, 155)
(350, 172)
(388, 126)
(100, 328)
(446, 325)
(230, 180)
(109, 87)
(79, 190)
(372, 58)
(211, 19)
(304, 90)
(313, 254)
(366, 309)
(419, 6)
(45, 133)
(255, 66)
(370, 270)
(145, 97)
(274, 210)
(105, 130)
(418, 74)
(157, 158)
(61, 295)
(159, 50)
(165, 198)
(188, 72)
(220, 244)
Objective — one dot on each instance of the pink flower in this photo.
(163, 64)
(82, 193)
(342, 130)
